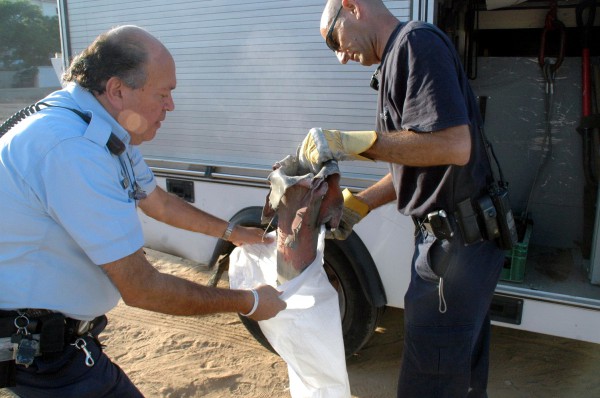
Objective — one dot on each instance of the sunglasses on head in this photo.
(329, 40)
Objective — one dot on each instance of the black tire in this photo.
(359, 317)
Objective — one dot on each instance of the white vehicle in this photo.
(255, 76)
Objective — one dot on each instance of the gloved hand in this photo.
(320, 146)
(354, 211)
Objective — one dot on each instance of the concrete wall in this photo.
(6, 78)
(47, 77)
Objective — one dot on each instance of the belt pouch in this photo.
(467, 222)
(8, 374)
(52, 333)
(507, 229)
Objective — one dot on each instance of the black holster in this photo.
(489, 218)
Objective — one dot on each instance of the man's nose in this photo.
(169, 104)
(341, 56)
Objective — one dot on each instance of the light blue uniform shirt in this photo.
(64, 209)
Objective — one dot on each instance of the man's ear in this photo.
(353, 5)
(114, 92)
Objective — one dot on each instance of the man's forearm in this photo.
(142, 286)
(172, 210)
(378, 194)
(448, 146)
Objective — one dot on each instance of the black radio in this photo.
(490, 218)
(507, 235)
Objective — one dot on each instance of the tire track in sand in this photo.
(222, 328)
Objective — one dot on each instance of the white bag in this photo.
(308, 333)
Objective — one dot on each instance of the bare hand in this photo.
(249, 235)
(269, 303)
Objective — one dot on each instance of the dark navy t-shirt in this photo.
(423, 88)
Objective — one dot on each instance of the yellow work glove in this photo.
(354, 211)
(320, 146)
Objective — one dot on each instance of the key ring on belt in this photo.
(81, 345)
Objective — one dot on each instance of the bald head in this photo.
(131, 35)
(357, 30)
(122, 52)
(329, 12)
(128, 33)
(374, 8)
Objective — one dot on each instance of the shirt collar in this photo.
(101, 119)
(391, 39)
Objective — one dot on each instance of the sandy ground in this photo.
(214, 356)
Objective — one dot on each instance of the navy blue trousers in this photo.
(66, 375)
(446, 318)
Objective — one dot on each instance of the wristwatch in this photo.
(228, 231)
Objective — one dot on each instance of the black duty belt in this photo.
(51, 331)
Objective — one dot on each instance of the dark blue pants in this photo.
(446, 319)
(66, 375)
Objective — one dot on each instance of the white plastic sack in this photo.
(308, 333)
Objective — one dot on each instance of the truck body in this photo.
(255, 76)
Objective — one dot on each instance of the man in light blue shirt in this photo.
(71, 177)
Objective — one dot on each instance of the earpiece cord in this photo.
(115, 146)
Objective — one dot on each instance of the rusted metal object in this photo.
(302, 202)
